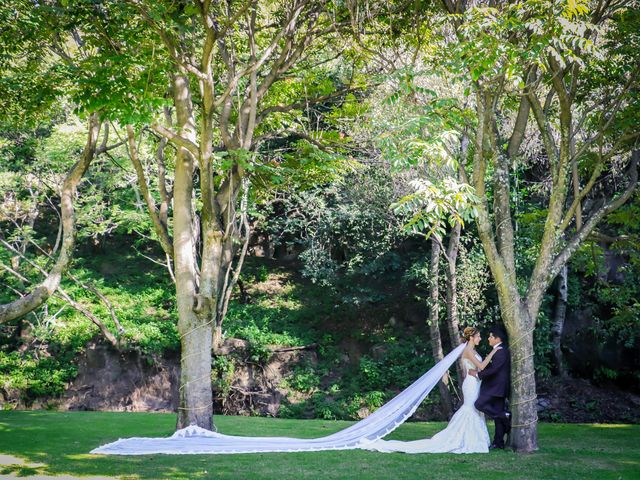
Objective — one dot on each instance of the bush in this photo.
(34, 377)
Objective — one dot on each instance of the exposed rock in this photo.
(543, 404)
(108, 380)
(579, 401)
(255, 389)
(231, 345)
(364, 412)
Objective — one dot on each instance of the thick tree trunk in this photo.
(524, 433)
(44, 290)
(517, 318)
(558, 320)
(195, 406)
(519, 323)
(434, 327)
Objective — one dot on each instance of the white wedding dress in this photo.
(466, 432)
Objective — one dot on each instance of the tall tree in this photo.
(229, 68)
(568, 67)
(234, 74)
(434, 325)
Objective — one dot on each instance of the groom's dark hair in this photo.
(499, 332)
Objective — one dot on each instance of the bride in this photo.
(467, 430)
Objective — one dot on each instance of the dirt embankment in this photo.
(108, 380)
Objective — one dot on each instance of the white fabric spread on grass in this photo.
(196, 440)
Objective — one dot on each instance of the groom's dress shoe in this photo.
(507, 424)
(493, 446)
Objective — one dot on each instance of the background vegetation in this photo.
(346, 179)
(339, 273)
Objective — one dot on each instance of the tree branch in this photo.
(177, 139)
(519, 128)
(44, 290)
(573, 244)
(304, 103)
(79, 307)
(543, 126)
(160, 227)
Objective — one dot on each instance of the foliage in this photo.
(432, 206)
(605, 284)
(223, 369)
(417, 129)
(303, 378)
(474, 285)
(343, 228)
(35, 377)
(542, 345)
(401, 358)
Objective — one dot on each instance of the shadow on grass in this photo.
(21, 471)
(62, 441)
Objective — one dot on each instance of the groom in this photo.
(496, 379)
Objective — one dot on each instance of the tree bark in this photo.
(452, 286)
(434, 326)
(44, 290)
(520, 325)
(453, 324)
(558, 320)
(196, 407)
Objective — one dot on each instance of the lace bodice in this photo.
(468, 364)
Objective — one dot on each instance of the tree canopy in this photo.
(505, 133)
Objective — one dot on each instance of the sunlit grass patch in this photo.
(61, 441)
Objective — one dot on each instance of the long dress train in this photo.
(465, 433)
(196, 440)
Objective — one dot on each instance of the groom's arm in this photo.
(498, 361)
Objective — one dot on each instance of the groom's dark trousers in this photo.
(494, 391)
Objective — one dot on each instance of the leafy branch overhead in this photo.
(432, 207)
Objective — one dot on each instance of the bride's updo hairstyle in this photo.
(469, 332)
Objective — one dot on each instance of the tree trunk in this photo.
(524, 433)
(195, 332)
(434, 327)
(453, 323)
(518, 320)
(558, 320)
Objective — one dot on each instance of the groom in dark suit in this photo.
(496, 383)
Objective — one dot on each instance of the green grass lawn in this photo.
(61, 442)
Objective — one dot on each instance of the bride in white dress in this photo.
(467, 430)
